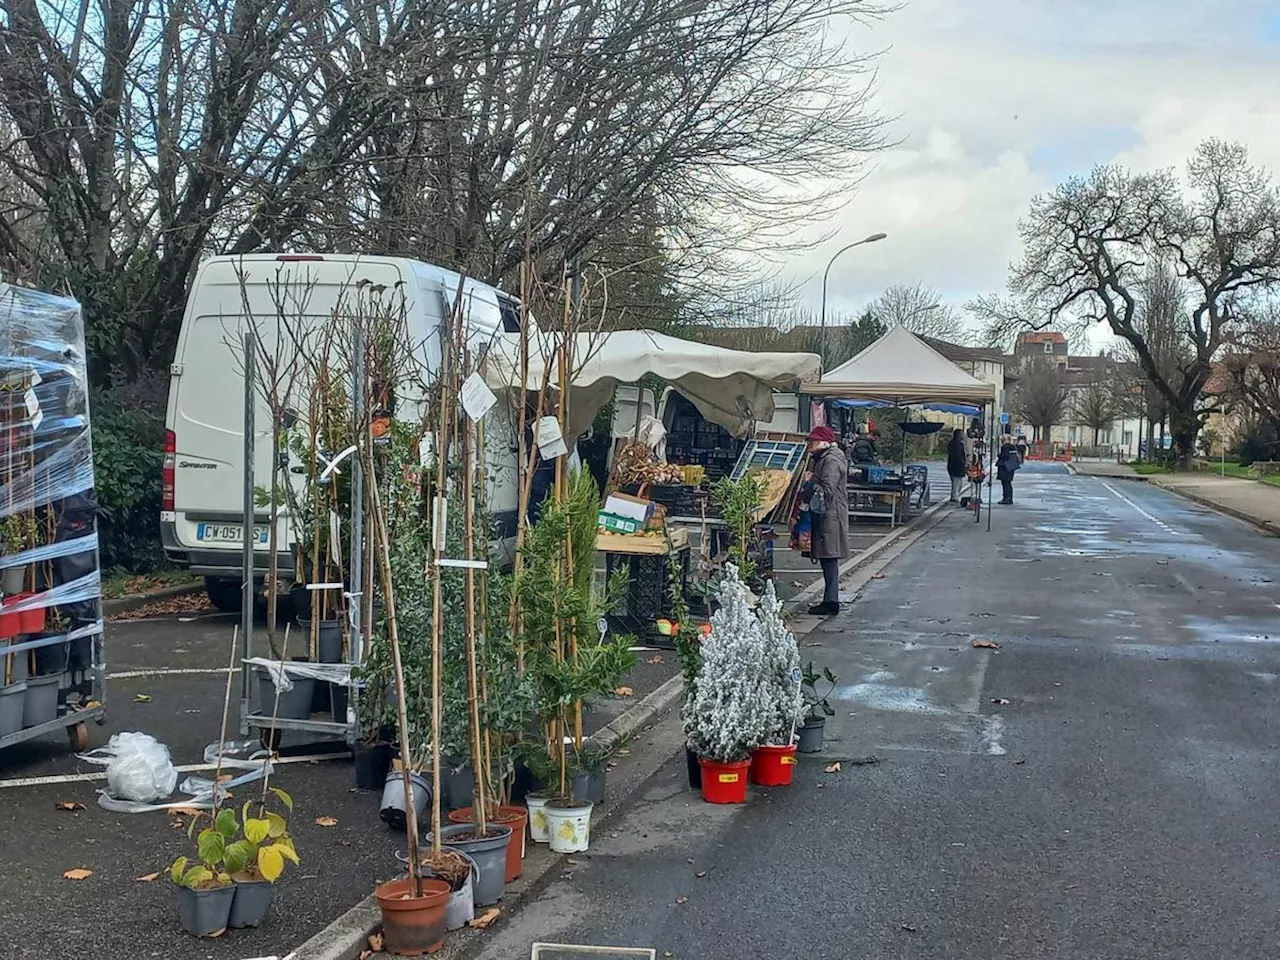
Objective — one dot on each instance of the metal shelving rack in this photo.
(46, 475)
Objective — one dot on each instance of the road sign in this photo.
(1004, 419)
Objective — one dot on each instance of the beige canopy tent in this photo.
(900, 369)
(732, 388)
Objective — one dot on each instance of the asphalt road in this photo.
(1102, 785)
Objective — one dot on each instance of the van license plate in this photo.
(228, 533)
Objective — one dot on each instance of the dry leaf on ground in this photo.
(146, 877)
(485, 918)
(877, 575)
(986, 645)
(623, 692)
(326, 821)
(71, 806)
(192, 603)
(682, 900)
(700, 874)
(833, 767)
(79, 873)
(656, 658)
(141, 698)
(183, 812)
(375, 942)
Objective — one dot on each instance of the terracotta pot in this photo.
(517, 818)
(412, 926)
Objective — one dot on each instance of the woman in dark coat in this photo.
(1007, 464)
(828, 499)
(957, 464)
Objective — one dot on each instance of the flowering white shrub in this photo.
(785, 704)
(726, 717)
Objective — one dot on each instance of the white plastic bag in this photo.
(139, 767)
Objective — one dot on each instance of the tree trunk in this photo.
(1184, 425)
(1151, 440)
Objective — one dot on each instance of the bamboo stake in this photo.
(473, 704)
(226, 709)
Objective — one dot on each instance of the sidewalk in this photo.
(1247, 500)
(1104, 468)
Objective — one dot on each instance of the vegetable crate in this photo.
(648, 595)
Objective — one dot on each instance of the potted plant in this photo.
(256, 859)
(773, 762)
(19, 532)
(817, 709)
(205, 887)
(459, 871)
(725, 719)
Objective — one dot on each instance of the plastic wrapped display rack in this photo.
(51, 632)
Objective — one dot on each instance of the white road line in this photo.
(185, 768)
(1156, 520)
(165, 672)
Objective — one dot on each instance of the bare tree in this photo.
(1094, 406)
(1040, 396)
(1250, 381)
(1090, 243)
(921, 310)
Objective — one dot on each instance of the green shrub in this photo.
(128, 453)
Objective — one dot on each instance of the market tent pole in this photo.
(991, 472)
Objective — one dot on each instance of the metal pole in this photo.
(247, 539)
(991, 458)
(822, 313)
(355, 611)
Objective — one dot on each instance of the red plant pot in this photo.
(724, 782)
(11, 623)
(773, 766)
(412, 926)
(32, 618)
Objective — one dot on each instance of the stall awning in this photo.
(901, 369)
(732, 388)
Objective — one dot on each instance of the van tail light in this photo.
(166, 471)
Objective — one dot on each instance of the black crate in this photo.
(647, 597)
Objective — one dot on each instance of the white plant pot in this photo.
(539, 831)
(570, 825)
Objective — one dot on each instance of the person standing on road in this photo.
(1022, 448)
(827, 494)
(957, 464)
(1007, 464)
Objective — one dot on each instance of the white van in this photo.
(201, 522)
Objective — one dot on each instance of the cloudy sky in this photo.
(998, 100)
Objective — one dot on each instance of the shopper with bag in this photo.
(827, 497)
(1007, 464)
(957, 464)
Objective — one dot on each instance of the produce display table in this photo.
(647, 561)
(866, 500)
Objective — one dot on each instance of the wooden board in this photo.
(641, 546)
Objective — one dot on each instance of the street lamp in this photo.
(822, 316)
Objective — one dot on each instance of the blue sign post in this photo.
(1004, 419)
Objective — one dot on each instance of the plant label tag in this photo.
(477, 398)
(602, 625)
(439, 522)
(426, 449)
(549, 439)
(787, 761)
(729, 777)
(795, 675)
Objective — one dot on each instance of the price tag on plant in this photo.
(477, 398)
(549, 439)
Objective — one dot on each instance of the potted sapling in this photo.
(256, 859)
(816, 707)
(205, 887)
(19, 532)
(725, 719)
(773, 762)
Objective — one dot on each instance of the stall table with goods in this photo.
(633, 536)
(52, 671)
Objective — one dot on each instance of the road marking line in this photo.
(1156, 520)
(165, 672)
(185, 768)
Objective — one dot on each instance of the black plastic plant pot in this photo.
(589, 785)
(810, 739)
(205, 913)
(693, 768)
(337, 702)
(328, 638)
(250, 904)
(372, 761)
(52, 660)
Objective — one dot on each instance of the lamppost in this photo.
(822, 316)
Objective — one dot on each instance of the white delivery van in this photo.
(201, 522)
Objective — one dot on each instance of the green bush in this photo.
(1258, 441)
(128, 453)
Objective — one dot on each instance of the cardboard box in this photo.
(624, 505)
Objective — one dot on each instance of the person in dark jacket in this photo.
(827, 495)
(957, 464)
(1007, 464)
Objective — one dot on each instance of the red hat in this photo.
(823, 434)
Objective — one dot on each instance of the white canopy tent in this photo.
(900, 369)
(732, 388)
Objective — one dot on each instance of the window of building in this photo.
(1048, 346)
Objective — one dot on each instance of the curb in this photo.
(135, 600)
(866, 556)
(348, 936)
(1266, 526)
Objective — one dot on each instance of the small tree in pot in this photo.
(726, 717)
(816, 707)
(774, 760)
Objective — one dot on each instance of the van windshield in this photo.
(510, 314)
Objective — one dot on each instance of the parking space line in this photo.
(184, 768)
(165, 672)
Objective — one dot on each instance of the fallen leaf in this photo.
(623, 692)
(700, 874)
(325, 822)
(79, 873)
(183, 812)
(146, 877)
(486, 918)
(680, 900)
(656, 658)
(375, 942)
(877, 575)
(909, 928)
(833, 767)
(797, 584)
(71, 806)
(986, 645)
(141, 698)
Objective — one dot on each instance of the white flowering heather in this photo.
(785, 708)
(726, 717)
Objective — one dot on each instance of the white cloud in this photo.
(1000, 99)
